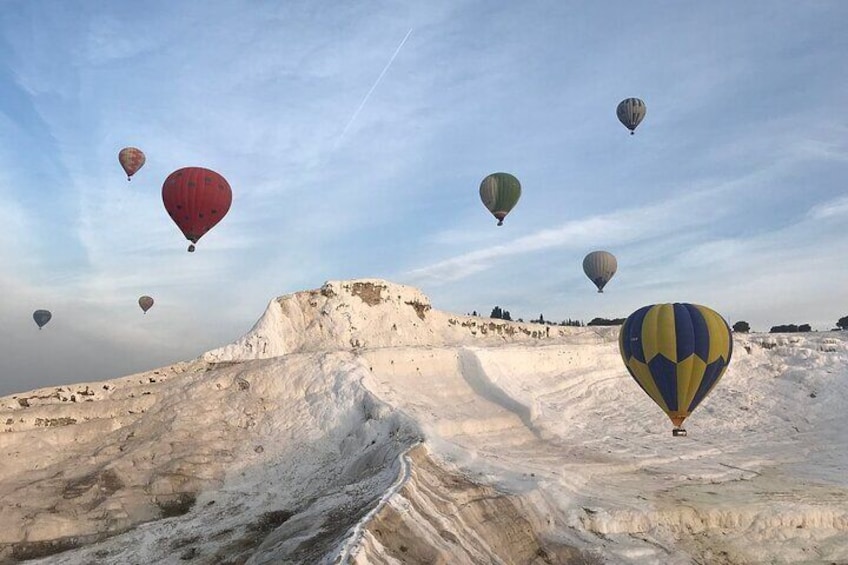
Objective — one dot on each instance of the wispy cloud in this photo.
(830, 209)
(612, 229)
(674, 215)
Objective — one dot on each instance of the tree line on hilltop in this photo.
(741, 326)
(499, 313)
(744, 327)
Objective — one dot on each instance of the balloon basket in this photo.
(678, 432)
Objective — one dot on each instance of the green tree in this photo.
(606, 322)
(842, 323)
(741, 327)
(790, 328)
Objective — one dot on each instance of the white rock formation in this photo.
(355, 423)
(367, 314)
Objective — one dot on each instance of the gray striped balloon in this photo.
(630, 112)
(600, 266)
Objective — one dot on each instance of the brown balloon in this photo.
(146, 303)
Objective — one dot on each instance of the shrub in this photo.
(741, 327)
(606, 322)
(790, 328)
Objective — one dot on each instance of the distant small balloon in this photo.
(131, 159)
(41, 317)
(146, 303)
(631, 112)
(500, 193)
(600, 266)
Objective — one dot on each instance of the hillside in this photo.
(356, 423)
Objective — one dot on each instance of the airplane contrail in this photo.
(373, 86)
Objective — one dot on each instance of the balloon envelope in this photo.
(500, 193)
(630, 112)
(146, 303)
(41, 317)
(676, 353)
(131, 159)
(600, 266)
(196, 199)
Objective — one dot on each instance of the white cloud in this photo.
(832, 209)
(613, 229)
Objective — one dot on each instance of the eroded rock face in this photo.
(441, 516)
(371, 293)
(221, 462)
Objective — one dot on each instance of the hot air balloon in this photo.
(630, 112)
(676, 353)
(131, 159)
(41, 317)
(196, 199)
(500, 193)
(600, 266)
(145, 302)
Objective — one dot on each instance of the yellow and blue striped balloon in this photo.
(676, 353)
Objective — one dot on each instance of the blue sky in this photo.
(731, 194)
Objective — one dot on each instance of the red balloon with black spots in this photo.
(196, 199)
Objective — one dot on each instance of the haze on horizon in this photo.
(355, 148)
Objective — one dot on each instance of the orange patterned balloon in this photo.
(131, 159)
